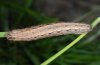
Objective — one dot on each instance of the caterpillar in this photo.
(47, 30)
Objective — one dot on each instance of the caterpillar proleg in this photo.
(47, 30)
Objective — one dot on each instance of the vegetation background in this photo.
(16, 14)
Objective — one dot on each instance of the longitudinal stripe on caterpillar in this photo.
(47, 30)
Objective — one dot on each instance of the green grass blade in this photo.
(3, 34)
(96, 21)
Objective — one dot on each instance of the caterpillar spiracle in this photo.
(47, 30)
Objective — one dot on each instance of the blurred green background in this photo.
(16, 14)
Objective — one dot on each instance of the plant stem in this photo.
(63, 50)
(3, 34)
(95, 22)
